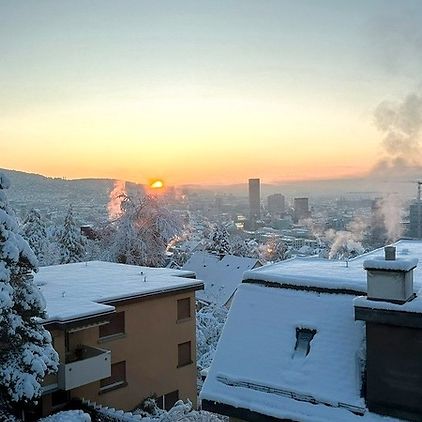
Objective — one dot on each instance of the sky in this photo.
(208, 92)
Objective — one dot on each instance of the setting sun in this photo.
(157, 184)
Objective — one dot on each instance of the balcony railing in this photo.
(85, 365)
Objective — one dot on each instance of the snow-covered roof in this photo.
(324, 273)
(257, 367)
(82, 289)
(221, 274)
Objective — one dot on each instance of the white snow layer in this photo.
(256, 367)
(325, 273)
(220, 276)
(68, 416)
(79, 289)
(399, 264)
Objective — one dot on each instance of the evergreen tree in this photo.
(219, 241)
(274, 250)
(34, 231)
(245, 247)
(180, 257)
(26, 353)
(71, 241)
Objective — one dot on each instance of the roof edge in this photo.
(149, 295)
(57, 324)
(315, 289)
(238, 412)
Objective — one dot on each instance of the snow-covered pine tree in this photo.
(70, 240)
(245, 247)
(26, 353)
(219, 241)
(34, 231)
(273, 250)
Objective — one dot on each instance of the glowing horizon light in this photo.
(157, 184)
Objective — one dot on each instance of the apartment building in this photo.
(123, 333)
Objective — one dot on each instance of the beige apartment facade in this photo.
(141, 344)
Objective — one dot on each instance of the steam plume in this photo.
(347, 243)
(400, 124)
(115, 199)
(390, 210)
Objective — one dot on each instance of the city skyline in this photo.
(204, 93)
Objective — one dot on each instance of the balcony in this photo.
(85, 365)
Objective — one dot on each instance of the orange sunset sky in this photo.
(203, 92)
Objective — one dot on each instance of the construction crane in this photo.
(418, 229)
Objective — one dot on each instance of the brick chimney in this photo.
(393, 337)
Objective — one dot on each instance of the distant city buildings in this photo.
(276, 204)
(254, 199)
(301, 209)
(415, 220)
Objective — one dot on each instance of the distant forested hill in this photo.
(53, 195)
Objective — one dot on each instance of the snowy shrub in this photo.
(180, 412)
(209, 324)
(68, 416)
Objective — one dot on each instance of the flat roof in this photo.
(333, 274)
(86, 289)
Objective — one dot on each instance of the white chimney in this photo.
(389, 278)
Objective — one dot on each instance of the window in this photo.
(60, 398)
(167, 401)
(117, 378)
(115, 326)
(183, 308)
(184, 354)
(304, 337)
(170, 399)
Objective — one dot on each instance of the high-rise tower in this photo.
(254, 199)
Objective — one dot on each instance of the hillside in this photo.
(53, 195)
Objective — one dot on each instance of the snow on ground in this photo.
(180, 412)
(80, 289)
(68, 416)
